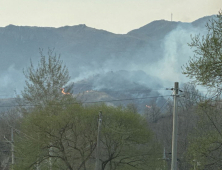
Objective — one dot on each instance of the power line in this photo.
(164, 104)
(101, 101)
(94, 90)
(149, 89)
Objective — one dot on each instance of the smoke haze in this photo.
(147, 59)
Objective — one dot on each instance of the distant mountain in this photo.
(155, 30)
(201, 22)
(154, 50)
(79, 45)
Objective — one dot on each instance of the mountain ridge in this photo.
(89, 51)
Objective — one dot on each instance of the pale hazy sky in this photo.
(117, 16)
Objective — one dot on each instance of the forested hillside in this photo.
(88, 51)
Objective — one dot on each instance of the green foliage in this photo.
(65, 138)
(204, 150)
(206, 140)
(125, 140)
(61, 134)
(206, 64)
(44, 83)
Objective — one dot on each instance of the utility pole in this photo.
(98, 166)
(175, 128)
(12, 148)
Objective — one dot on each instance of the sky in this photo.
(117, 16)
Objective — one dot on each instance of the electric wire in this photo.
(124, 91)
(90, 102)
(164, 104)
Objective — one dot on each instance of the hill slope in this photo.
(157, 50)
